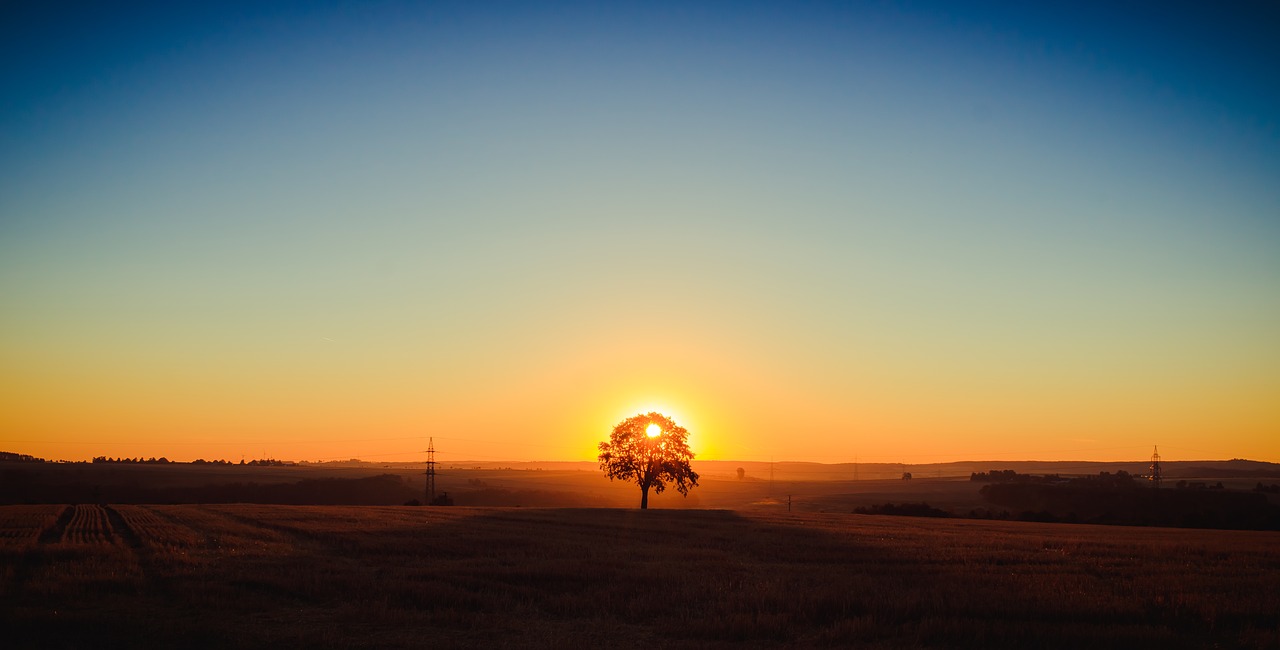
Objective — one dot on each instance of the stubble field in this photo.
(331, 576)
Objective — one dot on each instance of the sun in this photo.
(653, 430)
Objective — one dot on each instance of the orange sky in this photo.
(316, 400)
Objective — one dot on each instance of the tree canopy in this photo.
(652, 450)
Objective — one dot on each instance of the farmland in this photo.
(335, 576)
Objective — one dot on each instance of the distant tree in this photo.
(651, 450)
(21, 458)
(741, 473)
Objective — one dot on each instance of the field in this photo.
(332, 576)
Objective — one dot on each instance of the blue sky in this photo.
(872, 211)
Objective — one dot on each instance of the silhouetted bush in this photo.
(1010, 476)
(1118, 500)
(904, 510)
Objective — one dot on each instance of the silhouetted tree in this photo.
(651, 450)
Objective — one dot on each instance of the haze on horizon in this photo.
(809, 231)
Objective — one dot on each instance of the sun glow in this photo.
(653, 431)
(638, 403)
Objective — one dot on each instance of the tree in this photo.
(651, 450)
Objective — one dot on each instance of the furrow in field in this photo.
(121, 528)
(88, 525)
(215, 531)
(56, 531)
(157, 531)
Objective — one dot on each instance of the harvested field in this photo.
(330, 576)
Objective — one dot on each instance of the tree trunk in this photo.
(644, 497)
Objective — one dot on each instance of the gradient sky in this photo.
(806, 231)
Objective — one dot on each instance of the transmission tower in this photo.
(1155, 466)
(431, 470)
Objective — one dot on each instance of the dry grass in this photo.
(254, 576)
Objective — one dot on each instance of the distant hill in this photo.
(797, 471)
(809, 471)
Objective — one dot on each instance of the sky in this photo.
(895, 232)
